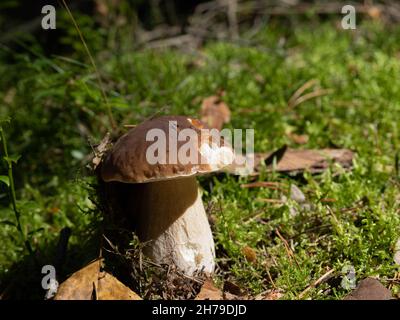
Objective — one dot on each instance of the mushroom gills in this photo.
(170, 215)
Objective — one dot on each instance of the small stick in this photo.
(271, 200)
(311, 95)
(262, 184)
(270, 279)
(287, 247)
(300, 91)
(316, 282)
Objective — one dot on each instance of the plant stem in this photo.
(13, 194)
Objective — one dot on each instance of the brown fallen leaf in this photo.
(291, 161)
(80, 285)
(370, 289)
(110, 288)
(209, 292)
(90, 283)
(214, 112)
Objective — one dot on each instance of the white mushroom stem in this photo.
(171, 216)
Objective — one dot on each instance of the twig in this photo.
(263, 184)
(300, 91)
(316, 282)
(289, 251)
(270, 279)
(271, 200)
(311, 95)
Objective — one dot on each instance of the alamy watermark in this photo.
(349, 20)
(49, 281)
(217, 148)
(49, 18)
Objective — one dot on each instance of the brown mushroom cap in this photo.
(127, 162)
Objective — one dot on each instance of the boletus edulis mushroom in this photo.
(164, 201)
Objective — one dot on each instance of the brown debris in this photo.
(110, 288)
(370, 289)
(90, 283)
(294, 161)
(209, 291)
(214, 112)
(272, 294)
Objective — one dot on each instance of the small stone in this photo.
(296, 194)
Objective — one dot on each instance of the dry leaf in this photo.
(79, 286)
(100, 150)
(369, 289)
(214, 112)
(89, 283)
(249, 254)
(110, 288)
(292, 161)
(313, 160)
(209, 291)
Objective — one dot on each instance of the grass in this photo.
(57, 111)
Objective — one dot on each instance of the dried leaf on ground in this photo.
(110, 288)
(291, 161)
(209, 291)
(214, 112)
(369, 289)
(90, 283)
(80, 285)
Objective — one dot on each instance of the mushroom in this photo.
(164, 200)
